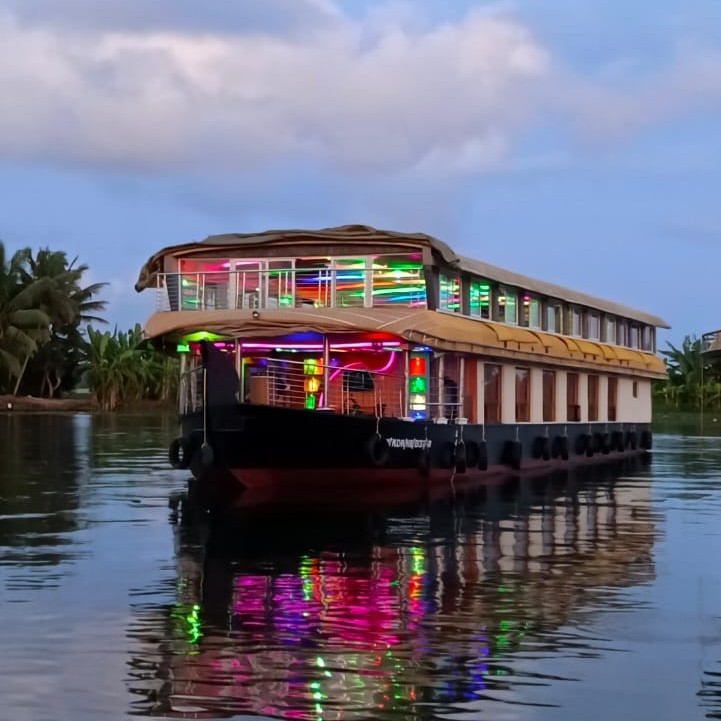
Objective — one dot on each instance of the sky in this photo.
(574, 141)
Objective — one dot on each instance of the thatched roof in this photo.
(362, 235)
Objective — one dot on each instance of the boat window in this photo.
(634, 336)
(480, 298)
(592, 398)
(609, 334)
(491, 393)
(612, 397)
(350, 282)
(574, 322)
(622, 332)
(279, 284)
(201, 284)
(398, 280)
(506, 306)
(648, 338)
(313, 282)
(531, 311)
(554, 317)
(523, 394)
(450, 293)
(593, 325)
(549, 396)
(573, 409)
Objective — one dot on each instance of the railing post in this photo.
(326, 370)
(441, 384)
(238, 355)
(406, 389)
(461, 386)
(183, 385)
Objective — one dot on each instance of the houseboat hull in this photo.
(241, 454)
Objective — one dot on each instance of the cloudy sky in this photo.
(577, 141)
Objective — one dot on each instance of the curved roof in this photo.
(442, 330)
(364, 234)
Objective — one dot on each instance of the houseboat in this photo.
(352, 356)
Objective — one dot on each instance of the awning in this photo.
(575, 350)
(590, 348)
(513, 334)
(445, 331)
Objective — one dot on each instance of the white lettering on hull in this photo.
(409, 443)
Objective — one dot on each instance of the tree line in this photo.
(50, 345)
(693, 378)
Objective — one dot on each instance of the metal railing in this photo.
(351, 390)
(292, 288)
(190, 391)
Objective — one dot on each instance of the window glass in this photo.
(592, 398)
(450, 293)
(573, 409)
(506, 306)
(398, 280)
(480, 299)
(492, 393)
(549, 396)
(531, 312)
(593, 325)
(554, 317)
(523, 395)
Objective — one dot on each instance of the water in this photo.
(589, 596)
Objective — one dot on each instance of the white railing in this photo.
(268, 289)
(351, 390)
(299, 384)
(190, 391)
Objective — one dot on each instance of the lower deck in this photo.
(384, 377)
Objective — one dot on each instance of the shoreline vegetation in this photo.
(50, 346)
(51, 354)
(75, 404)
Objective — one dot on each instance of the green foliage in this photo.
(694, 378)
(44, 350)
(122, 370)
(24, 323)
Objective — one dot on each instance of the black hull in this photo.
(240, 449)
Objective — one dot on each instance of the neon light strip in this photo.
(319, 346)
(350, 366)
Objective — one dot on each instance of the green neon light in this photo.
(182, 348)
(201, 335)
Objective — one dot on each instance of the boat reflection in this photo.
(427, 611)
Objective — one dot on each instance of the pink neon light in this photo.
(318, 346)
(338, 371)
(385, 368)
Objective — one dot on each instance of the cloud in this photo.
(361, 97)
(140, 16)
(615, 108)
(163, 87)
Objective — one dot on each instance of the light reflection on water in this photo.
(589, 595)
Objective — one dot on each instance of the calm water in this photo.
(582, 597)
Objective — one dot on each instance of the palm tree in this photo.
(68, 305)
(693, 377)
(24, 325)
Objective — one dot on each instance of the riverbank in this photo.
(12, 404)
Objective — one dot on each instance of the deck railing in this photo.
(351, 390)
(292, 288)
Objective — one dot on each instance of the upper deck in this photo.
(358, 267)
